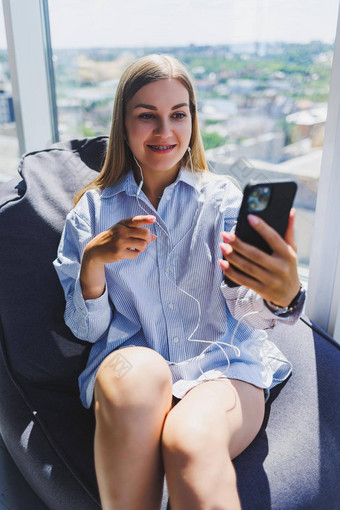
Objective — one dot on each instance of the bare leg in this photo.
(211, 425)
(130, 413)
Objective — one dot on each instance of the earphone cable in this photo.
(190, 339)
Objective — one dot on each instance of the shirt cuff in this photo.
(242, 301)
(90, 306)
(266, 313)
(259, 306)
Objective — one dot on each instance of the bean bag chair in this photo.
(294, 462)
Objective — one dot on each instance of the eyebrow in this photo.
(151, 107)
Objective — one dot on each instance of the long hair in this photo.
(119, 158)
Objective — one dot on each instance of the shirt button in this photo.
(168, 197)
(176, 340)
(171, 306)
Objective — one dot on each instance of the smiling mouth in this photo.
(161, 148)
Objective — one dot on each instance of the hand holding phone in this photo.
(271, 202)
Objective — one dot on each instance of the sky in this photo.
(124, 23)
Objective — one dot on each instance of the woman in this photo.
(180, 361)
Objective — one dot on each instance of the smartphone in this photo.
(271, 201)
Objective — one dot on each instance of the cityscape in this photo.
(262, 109)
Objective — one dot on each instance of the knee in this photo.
(132, 377)
(190, 439)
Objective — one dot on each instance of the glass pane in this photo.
(9, 147)
(261, 67)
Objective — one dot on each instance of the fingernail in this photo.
(226, 248)
(151, 218)
(253, 220)
(228, 236)
(223, 263)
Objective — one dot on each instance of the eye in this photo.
(146, 116)
(179, 115)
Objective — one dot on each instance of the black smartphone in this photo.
(271, 201)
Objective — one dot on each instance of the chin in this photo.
(162, 166)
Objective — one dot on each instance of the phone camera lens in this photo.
(259, 198)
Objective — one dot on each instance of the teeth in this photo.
(161, 147)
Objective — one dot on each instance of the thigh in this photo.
(229, 410)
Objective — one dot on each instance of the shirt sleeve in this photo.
(87, 319)
(246, 305)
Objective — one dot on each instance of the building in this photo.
(6, 108)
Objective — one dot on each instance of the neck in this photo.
(154, 183)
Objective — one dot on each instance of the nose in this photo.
(163, 128)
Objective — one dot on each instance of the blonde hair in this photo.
(119, 158)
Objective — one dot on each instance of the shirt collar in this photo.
(192, 179)
(128, 184)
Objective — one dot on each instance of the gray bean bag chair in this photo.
(294, 463)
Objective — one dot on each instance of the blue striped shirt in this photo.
(172, 298)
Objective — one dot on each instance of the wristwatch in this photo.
(285, 311)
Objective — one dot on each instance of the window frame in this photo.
(323, 302)
(31, 72)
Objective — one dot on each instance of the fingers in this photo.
(124, 240)
(135, 231)
(269, 234)
(138, 221)
(255, 271)
(282, 248)
(239, 278)
(131, 229)
(275, 276)
(247, 251)
(289, 235)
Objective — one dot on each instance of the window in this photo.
(262, 72)
(9, 147)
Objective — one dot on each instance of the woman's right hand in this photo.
(116, 243)
(125, 240)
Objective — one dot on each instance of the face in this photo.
(158, 126)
